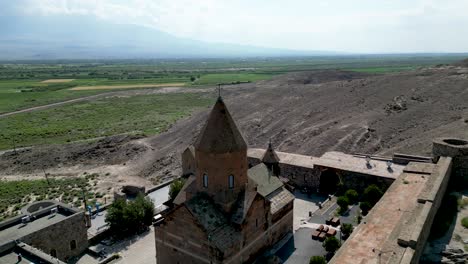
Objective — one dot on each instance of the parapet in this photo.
(449, 147)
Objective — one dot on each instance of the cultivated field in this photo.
(134, 86)
(57, 80)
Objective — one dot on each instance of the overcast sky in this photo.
(366, 26)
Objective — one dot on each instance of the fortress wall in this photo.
(430, 200)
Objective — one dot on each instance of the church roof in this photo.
(266, 182)
(279, 199)
(214, 221)
(270, 155)
(220, 133)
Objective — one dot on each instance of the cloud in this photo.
(359, 26)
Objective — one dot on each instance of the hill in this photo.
(307, 113)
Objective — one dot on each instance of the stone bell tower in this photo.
(221, 158)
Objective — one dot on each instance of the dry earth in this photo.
(308, 113)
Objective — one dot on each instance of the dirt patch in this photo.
(132, 86)
(57, 80)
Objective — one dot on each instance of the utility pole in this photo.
(45, 175)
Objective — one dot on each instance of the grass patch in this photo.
(149, 114)
(16, 194)
(464, 222)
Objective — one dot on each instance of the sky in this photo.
(358, 26)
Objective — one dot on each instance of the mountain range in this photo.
(84, 37)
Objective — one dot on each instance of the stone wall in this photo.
(59, 237)
(429, 202)
(298, 176)
(179, 240)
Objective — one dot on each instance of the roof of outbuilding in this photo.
(279, 198)
(220, 133)
(266, 182)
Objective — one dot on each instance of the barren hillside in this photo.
(307, 113)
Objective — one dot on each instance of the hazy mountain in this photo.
(84, 37)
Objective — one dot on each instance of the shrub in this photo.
(347, 229)
(317, 260)
(130, 217)
(331, 244)
(343, 202)
(365, 207)
(175, 187)
(464, 222)
(352, 196)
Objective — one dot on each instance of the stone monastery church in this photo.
(226, 212)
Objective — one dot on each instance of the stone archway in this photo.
(329, 180)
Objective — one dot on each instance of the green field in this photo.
(21, 87)
(149, 114)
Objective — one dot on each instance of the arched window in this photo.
(205, 180)
(53, 253)
(231, 181)
(72, 244)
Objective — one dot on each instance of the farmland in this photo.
(33, 83)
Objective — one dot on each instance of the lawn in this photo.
(149, 114)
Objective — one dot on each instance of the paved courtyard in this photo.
(303, 204)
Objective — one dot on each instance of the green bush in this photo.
(365, 207)
(317, 260)
(175, 187)
(331, 244)
(352, 196)
(343, 202)
(126, 218)
(464, 222)
(347, 229)
(372, 194)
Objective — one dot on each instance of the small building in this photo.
(46, 228)
(226, 212)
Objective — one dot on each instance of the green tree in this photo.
(317, 260)
(331, 244)
(372, 194)
(175, 187)
(130, 217)
(343, 202)
(192, 78)
(347, 229)
(352, 196)
(365, 207)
